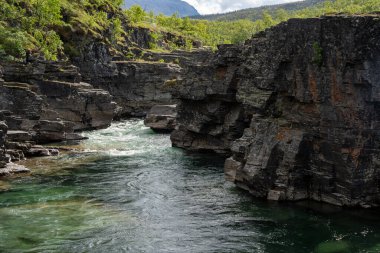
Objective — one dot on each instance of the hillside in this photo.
(256, 13)
(66, 29)
(166, 7)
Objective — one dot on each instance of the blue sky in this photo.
(219, 6)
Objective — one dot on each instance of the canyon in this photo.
(295, 109)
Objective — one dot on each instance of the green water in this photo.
(130, 191)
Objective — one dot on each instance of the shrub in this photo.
(317, 54)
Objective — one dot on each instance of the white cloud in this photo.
(219, 6)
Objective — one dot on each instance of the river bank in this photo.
(130, 190)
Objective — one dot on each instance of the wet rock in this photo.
(12, 168)
(74, 137)
(162, 118)
(15, 155)
(276, 195)
(230, 168)
(40, 151)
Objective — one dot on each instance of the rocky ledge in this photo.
(137, 85)
(162, 118)
(297, 108)
(43, 102)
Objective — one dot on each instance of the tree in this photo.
(136, 14)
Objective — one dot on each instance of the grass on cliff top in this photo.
(213, 33)
(47, 26)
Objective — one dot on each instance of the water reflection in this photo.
(132, 192)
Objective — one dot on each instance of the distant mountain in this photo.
(256, 13)
(167, 7)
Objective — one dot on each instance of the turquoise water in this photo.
(130, 191)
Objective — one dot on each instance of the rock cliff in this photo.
(209, 116)
(136, 85)
(42, 102)
(130, 71)
(297, 107)
(49, 100)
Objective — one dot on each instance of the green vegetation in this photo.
(171, 83)
(39, 25)
(213, 33)
(318, 53)
(209, 33)
(46, 27)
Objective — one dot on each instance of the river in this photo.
(130, 191)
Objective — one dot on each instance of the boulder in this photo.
(12, 168)
(162, 118)
(40, 151)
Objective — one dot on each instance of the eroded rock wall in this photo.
(209, 116)
(310, 89)
(3, 132)
(136, 85)
(48, 101)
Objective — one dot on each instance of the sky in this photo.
(219, 6)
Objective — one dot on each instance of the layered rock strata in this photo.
(137, 85)
(49, 101)
(209, 116)
(43, 102)
(310, 90)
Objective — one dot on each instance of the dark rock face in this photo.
(209, 116)
(43, 102)
(162, 118)
(48, 101)
(311, 91)
(3, 132)
(137, 86)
